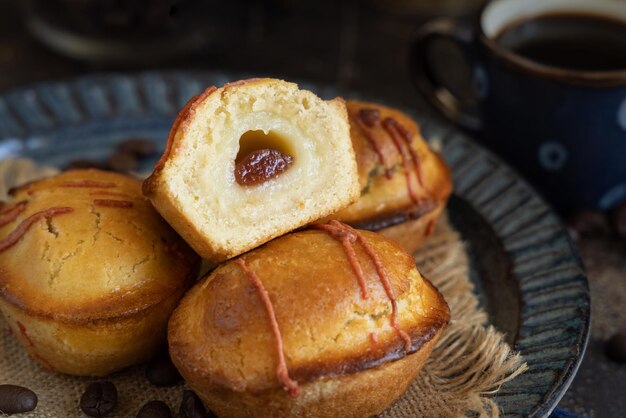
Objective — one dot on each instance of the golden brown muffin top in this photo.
(394, 177)
(222, 333)
(85, 245)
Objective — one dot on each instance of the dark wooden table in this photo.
(358, 46)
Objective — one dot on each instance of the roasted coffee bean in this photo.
(155, 409)
(122, 161)
(587, 223)
(16, 399)
(192, 407)
(138, 147)
(615, 348)
(99, 399)
(161, 372)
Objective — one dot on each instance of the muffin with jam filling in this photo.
(250, 161)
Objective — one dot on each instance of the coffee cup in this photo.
(549, 87)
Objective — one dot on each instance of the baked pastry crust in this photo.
(341, 348)
(388, 204)
(194, 185)
(89, 291)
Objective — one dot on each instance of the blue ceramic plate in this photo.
(527, 274)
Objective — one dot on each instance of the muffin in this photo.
(251, 161)
(89, 272)
(324, 322)
(404, 184)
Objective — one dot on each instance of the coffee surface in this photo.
(568, 41)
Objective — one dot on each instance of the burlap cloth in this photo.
(466, 368)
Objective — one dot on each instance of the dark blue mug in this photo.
(563, 128)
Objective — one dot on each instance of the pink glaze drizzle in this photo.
(281, 371)
(380, 270)
(25, 225)
(6, 207)
(408, 139)
(391, 126)
(11, 212)
(374, 143)
(347, 240)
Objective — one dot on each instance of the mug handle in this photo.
(423, 74)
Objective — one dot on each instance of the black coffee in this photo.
(569, 41)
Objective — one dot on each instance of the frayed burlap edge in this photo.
(465, 370)
(472, 360)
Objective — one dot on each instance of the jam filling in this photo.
(281, 371)
(260, 166)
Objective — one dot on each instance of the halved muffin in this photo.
(404, 184)
(251, 161)
(325, 322)
(89, 271)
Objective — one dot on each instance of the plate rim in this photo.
(16, 122)
(556, 392)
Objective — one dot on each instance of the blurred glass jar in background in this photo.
(130, 30)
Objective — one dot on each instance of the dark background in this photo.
(360, 45)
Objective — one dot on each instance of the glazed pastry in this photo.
(325, 322)
(89, 272)
(404, 184)
(251, 161)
